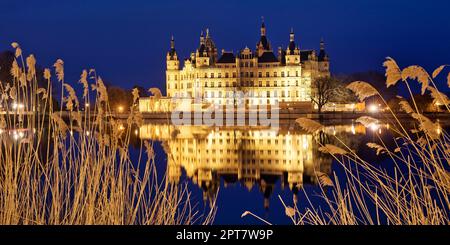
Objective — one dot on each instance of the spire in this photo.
(207, 32)
(172, 43)
(323, 56)
(172, 53)
(291, 36)
(263, 27)
(202, 39)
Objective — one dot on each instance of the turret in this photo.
(172, 58)
(324, 61)
(263, 44)
(173, 70)
(206, 53)
(292, 52)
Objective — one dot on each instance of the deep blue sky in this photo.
(126, 41)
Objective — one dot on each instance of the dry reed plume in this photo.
(73, 166)
(414, 186)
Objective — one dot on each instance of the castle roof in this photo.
(227, 57)
(264, 43)
(267, 57)
(304, 54)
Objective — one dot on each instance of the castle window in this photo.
(206, 84)
(283, 93)
(220, 75)
(259, 74)
(268, 94)
(260, 83)
(282, 83)
(267, 74)
(246, 74)
(205, 75)
(228, 84)
(234, 74)
(282, 74)
(176, 77)
(296, 73)
(220, 84)
(296, 83)
(274, 83)
(176, 86)
(267, 84)
(242, 74)
(251, 74)
(212, 84)
(275, 74)
(288, 74)
(234, 84)
(212, 75)
(226, 75)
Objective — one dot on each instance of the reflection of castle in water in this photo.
(250, 156)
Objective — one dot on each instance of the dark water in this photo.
(250, 168)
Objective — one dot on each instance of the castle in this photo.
(267, 77)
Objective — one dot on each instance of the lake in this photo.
(248, 168)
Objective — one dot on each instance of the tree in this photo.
(324, 89)
(120, 100)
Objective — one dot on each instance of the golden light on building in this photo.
(268, 76)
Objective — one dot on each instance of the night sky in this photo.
(126, 41)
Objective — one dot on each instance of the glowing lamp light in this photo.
(374, 126)
(86, 105)
(373, 108)
(120, 109)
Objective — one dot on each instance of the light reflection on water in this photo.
(250, 158)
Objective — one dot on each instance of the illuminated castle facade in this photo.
(283, 75)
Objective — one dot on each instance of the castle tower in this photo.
(263, 45)
(292, 52)
(324, 61)
(206, 54)
(172, 58)
(173, 70)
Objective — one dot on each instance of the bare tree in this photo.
(323, 90)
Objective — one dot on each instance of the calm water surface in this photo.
(249, 168)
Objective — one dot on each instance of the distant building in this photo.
(284, 75)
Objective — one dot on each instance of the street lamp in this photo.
(120, 109)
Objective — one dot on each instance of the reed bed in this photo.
(71, 164)
(411, 188)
